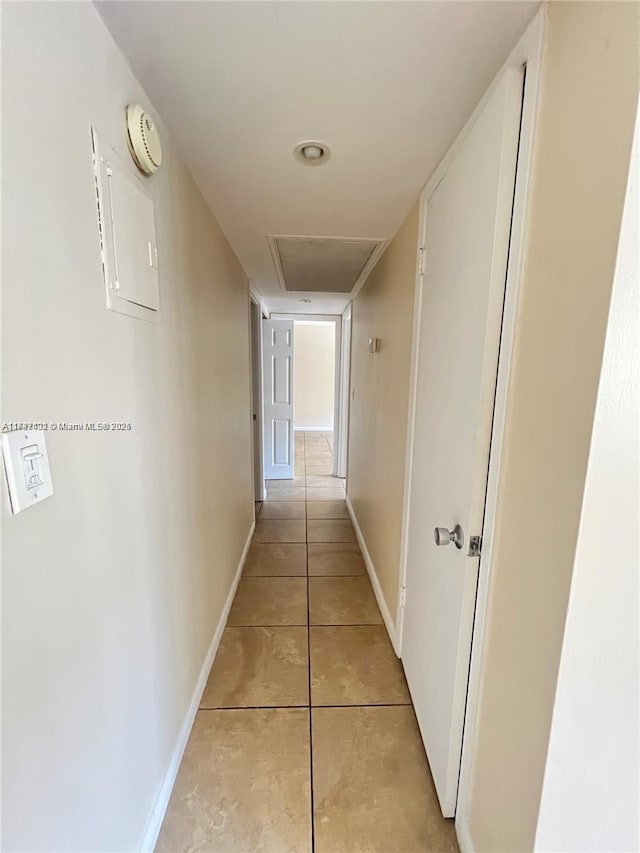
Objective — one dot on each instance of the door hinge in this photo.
(421, 261)
(403, 596)
(475, 546)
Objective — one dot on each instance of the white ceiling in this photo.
(386, 84)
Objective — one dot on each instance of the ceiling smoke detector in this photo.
(143, 140)
(312, 153)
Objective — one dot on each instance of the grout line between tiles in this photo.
(273, 625)
(306, 541)
(346, 624)
(360, 575)
(307, 707)
(313, 817)
(314, 625)
(257, 708)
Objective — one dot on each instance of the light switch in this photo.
(27, 466)
(32, 466)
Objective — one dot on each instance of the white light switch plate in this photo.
(27, 465)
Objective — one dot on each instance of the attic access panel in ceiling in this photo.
(323, 264)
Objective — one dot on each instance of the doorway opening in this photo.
(306, 375)
(314, 370)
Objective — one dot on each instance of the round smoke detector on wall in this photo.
(143, 139)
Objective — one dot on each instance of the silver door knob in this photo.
(443, 536)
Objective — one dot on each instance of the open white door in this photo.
(277, 364)
(466, 244)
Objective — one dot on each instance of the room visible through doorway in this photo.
(314, 376)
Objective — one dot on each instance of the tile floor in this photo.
(305, 739)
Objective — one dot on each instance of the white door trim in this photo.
(336, 319)
(255, 343)
(527, 53)
(341, 439)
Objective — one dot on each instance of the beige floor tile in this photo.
(327, 509)
(288, 530)
(243, 785)
(259, 667)
(371, 784)
(323, 481)
(316, 469)
(335, 493)
(283, 510)
(355, 666)
(278, 485)
(330, 530)
(335, 558)
(293, 493)
(269, 601)
(342, 601)
(268, 560)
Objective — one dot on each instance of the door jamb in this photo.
(527, 53)
(343, 389)
(255, 343)
(336, 319)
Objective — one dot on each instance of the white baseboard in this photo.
(313, 429)
(464, 838)
(375, 583)
(156, 817)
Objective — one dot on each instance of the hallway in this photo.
(305, 738)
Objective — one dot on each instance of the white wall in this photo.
(111, 589)
(314, 374)
(591, 793)
(378, 412)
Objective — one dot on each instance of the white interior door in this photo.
(277, 363)
(466, 240)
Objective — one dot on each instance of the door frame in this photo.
(341, 433)
(336, 319)
(256, 314)
(527, 53)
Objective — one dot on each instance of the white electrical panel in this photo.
(27, 465)
(128, 238)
